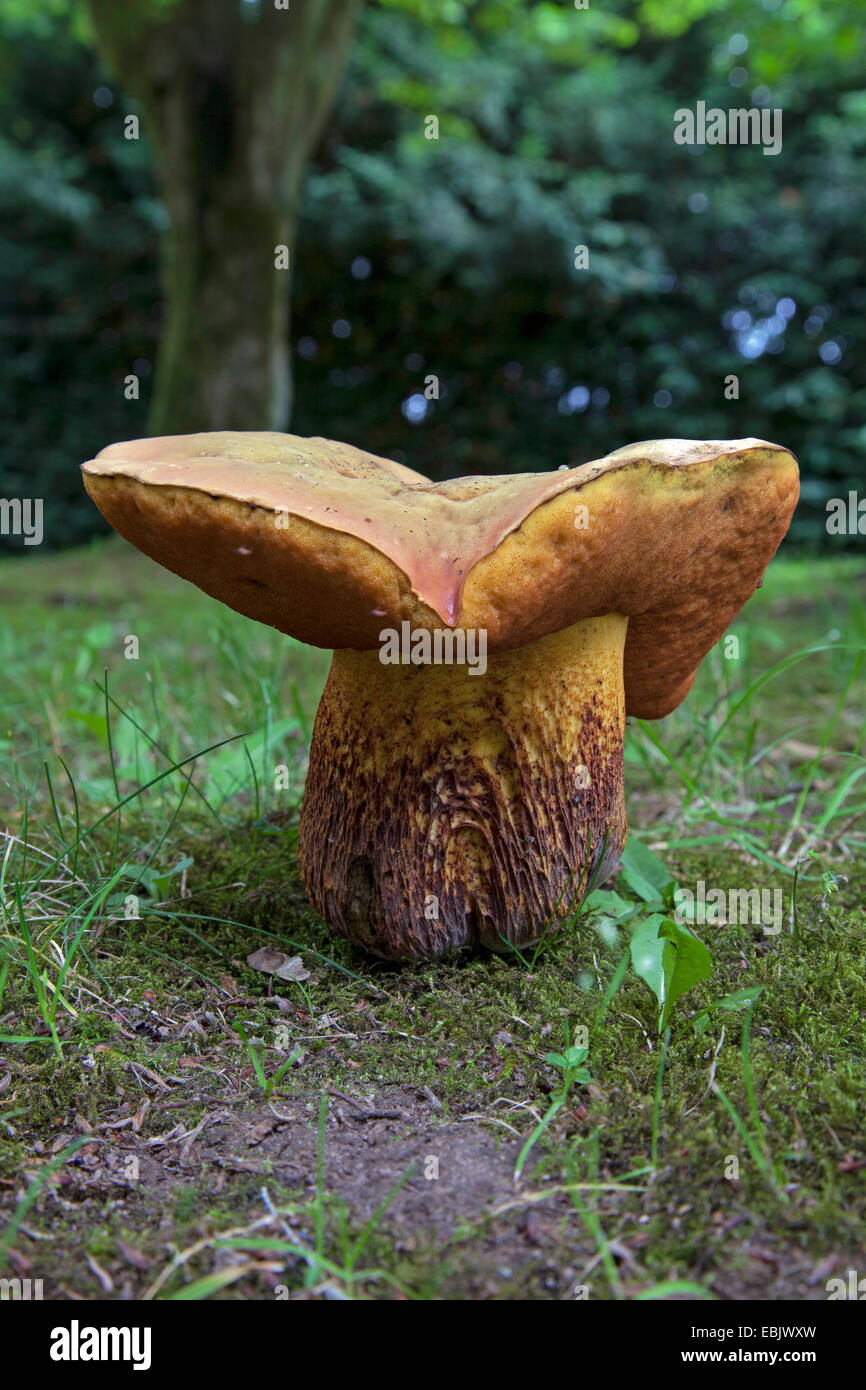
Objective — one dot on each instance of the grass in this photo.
(150, 808)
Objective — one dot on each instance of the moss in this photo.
(475, 1030)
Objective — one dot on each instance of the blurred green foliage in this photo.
(454, 257)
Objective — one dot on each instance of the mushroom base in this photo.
(446, 809)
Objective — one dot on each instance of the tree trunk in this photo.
(233, 98)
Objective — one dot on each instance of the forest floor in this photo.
(177, 1120)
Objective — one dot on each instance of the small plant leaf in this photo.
(670, 960)
(740, 999)
(645, 873)
(555, 1059)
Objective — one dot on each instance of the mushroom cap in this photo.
(331, 544)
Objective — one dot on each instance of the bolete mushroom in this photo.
(465, 779)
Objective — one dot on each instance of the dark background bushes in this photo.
(454, 258)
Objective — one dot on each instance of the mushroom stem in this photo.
(444, 808)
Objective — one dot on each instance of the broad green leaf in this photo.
(647, 955)
(645, 873)
(609, 903)
(670, 960)
(687, 962)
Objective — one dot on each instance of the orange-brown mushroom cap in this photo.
(330, 544)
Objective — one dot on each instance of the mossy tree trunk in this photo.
(233, 97)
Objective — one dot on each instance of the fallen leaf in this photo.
(267, 960)
(132, 1256)
(293, 969)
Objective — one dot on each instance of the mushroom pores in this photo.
(450, 803)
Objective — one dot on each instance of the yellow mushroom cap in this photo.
(331, 544)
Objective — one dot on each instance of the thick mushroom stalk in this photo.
(447, 808)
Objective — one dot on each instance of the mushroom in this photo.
(490, 636)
